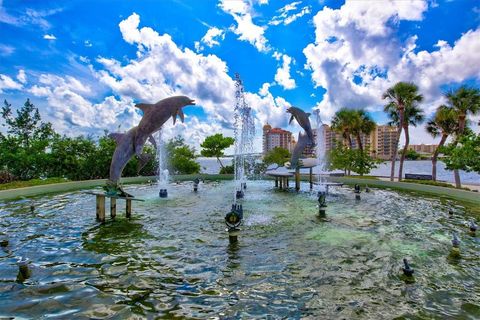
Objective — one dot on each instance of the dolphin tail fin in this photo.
(116, 136)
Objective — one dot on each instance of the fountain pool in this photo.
(173, 258)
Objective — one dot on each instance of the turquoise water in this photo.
(173, 258)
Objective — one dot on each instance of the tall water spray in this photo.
(163, 174)
(244, 130)
(320, 149)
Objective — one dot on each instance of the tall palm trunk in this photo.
(404, 152)
(401, 110)
(348, 138)
(359, 142)
(435, 156)
(461, 128)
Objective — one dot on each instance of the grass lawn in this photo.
(433, 183)
(30, 183)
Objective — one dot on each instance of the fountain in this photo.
(244, 131)
(163, 174)
(320, 150)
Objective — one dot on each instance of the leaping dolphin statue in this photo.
(302, 142)
(302, 119)
(303, 139)
(131, 143)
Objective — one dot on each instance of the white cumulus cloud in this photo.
(49, 37)
(282, 77)
(246, 29)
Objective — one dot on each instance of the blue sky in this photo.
(86, 63)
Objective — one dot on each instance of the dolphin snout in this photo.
(192, 102)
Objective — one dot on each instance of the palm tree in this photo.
(413, 115)
(343, 122)
(362, 124)
(401, 95)
(465, 101)
(444, 122)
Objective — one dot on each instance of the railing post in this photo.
(101, 208)
(113, 208)
(129, 208)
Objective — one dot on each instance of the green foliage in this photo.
(412, 155)
(227, 170)
(181, 157)
(30, 183)
(213, 146)
(342, 158)
(277, 155)
(433, 183)
(463, 154)
(31, 149)
(23, 149)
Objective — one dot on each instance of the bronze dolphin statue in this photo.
(302, 119)
(131, 143)
(302, 142)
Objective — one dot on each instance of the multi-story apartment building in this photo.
(423, 148)
(384, 141)
(276, 137)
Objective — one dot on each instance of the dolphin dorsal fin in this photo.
(116, 136)
(143, 106)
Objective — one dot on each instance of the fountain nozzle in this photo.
(195, 184)
(455, 241)
(407, 270)
(239, 194)
(163, 193)
(233, 220)
(357, 191)
(322, 195)
(473, 227)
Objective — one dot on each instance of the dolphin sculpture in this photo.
(302, 119)
(303, 139)
(131, 143)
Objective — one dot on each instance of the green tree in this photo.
(465, 101)
(213, 146)
(23, 148)
(181, 157)
(343, 123)
(401, 96)
(463, 154)
(362, 123)
(443, 123)
(356, 160)
(412, 155)
(277, 155)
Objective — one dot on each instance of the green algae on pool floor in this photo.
(173, 259)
